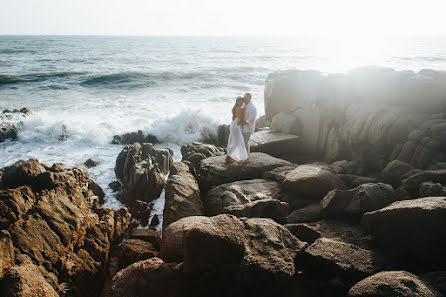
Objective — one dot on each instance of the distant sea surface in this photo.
(91, 88)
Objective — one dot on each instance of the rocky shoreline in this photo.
(352, 202)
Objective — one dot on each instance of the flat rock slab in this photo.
(248, 198)
(411, 228)
(273, 142)
(215, 171)
(328, 258)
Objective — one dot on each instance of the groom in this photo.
(249, 122)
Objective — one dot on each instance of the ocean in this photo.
(91, 88)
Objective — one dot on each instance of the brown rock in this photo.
(182, 195)
(308, 214)
(393, 283)
(148, 277)
(149, 235)
(248, 198)
(134, 250)
(21, 173)
(311, 181)
(6, 252)
(26, 280)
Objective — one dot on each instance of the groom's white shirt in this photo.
(250, 118)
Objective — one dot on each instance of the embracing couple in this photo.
(244, 115)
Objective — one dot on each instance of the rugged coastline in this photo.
(352, 202)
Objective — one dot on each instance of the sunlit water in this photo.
(96, 87)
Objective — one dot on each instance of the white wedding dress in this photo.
(236, 144)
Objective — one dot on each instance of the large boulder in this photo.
(356, 202)
(151, 277)
(182, 195)
(307, 214)
(133, 250)
(215, 171)
(142, 169)
(252, 249)
(410, 186)
(311, 181)
(285, 122)
(329, 258)
(275, 143)
(248, 198)
(54, 220)
(393, 283)
(411, 228)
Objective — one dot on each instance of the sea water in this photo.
(91, 88)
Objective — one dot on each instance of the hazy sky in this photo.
(223, 17)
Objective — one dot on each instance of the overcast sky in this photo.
(224, 17)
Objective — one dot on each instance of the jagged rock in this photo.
(356, 202)
(21, 173)
(182, 195)
(132, 137)
(248, 198)
(393, 283)
(11, 123)
(91, 163)
(396, 229)
(134, 250)
(394, 171)
(26, 280)
(311, 181)
(151, 277)
(141, 211)
(308, 214)
(328, 258)
(222, 135)
(123, 219)
(215, 171)
(304, 232)
(195, 152)
(6, 252)
(141, 169)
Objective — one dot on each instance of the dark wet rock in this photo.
(196, 151)
(155, 221)
(131, 138)
(304, 232)
(20, 173)
(141, 211)
(215, 171)
(182, 195)
(142, 169)
(308, 214)
(410, 229)
(393, 283)
(248, 198)
(311, 181)
(356, 202)
(11, 122)
(91, 163)
(151, 277)
(7, 258)
(115, 186)
(222, 135)
(329, 258)
(394, 171)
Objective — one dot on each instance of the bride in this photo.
(236, 144)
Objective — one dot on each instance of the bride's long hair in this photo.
(234, 109)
